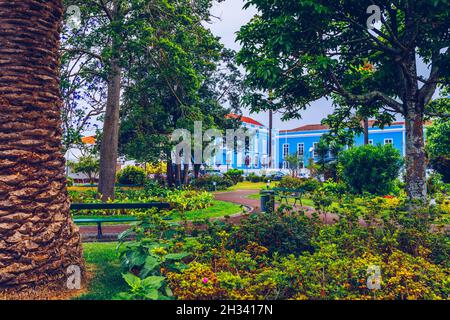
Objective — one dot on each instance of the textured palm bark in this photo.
(38, 240)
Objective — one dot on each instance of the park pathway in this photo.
(238, 197)
(110, 232)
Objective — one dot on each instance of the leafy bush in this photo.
(131, 175)
(278, 232)
(337, 267)
(88, 165)
(435, 185)
(180, 200)
(335, 189)
(252, 177)
(144, 262)
(70, 182)
(442, 165)
(207, 183)
(235, 175)
(371, 169)
(308, 185)
(438, 140)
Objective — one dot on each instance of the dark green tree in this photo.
(303, 50)
(192, 81)
(371, 169)
(438, 139)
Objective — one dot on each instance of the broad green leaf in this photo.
(132, 280)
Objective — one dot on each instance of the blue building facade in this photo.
(249, 152)
(302, 141)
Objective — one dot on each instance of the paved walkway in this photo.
(110, 232)
(240, 197)
(237, 197)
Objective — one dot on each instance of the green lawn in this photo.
(104, 267)
(247, 185)
(218, 209)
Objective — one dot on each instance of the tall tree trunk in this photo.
(38, 240)
(110, 140)
(416, 186)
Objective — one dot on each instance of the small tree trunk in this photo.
(416, 187)
(169, 173)
(186, 175)
(366, 131)
(110, 140)
(196, 170)
(178, 174)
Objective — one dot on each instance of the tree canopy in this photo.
(305, 50)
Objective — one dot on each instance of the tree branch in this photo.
(365, 98)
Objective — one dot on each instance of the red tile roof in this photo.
(244, 119)
(316, 127)
(88, 140)
(308, 127)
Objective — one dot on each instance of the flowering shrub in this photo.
(413, 261)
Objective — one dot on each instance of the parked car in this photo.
(277, 176)
(214, 173)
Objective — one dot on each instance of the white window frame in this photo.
(371, 141)
(303, 150)
(315, 145)
(388, 139)
(284, 150)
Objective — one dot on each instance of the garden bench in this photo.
(113, 206)
(286, 194)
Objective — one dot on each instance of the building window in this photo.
(388, 141)
(371, 141)
(315, 147)
(300, 150)
(285, 150)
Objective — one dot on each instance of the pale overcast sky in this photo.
(232, 17)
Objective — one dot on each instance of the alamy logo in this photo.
(374, 277)
(202, 146)
(73, 277)
(375, 17)
(74, 20)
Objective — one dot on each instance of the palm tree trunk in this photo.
(38, 240)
